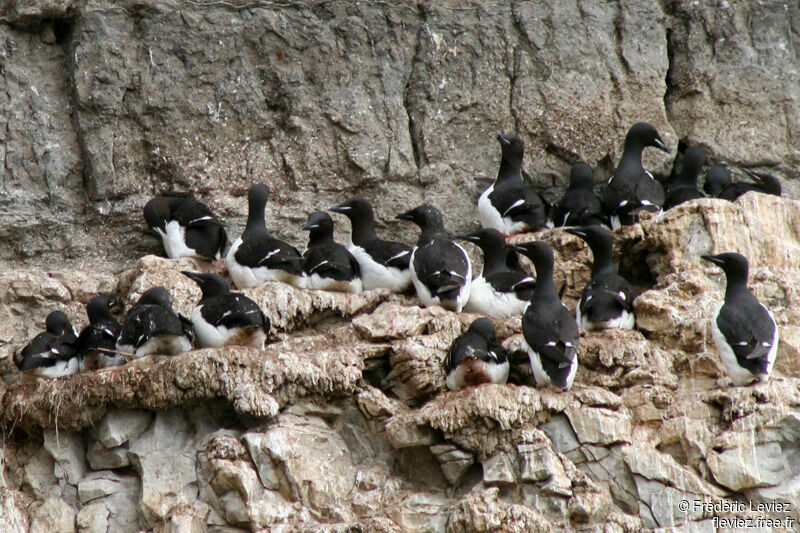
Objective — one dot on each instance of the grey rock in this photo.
(498, 469)
(258, 447)
(538, 462)
(119, 426)
(93, 518)
(421, 513)
(39, 473)
(104, 483)
(67, 449)
(454, 461)
(101, 458)
(53, 515)
(168, 481)
(169, 430)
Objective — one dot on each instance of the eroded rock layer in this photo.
(343, 421)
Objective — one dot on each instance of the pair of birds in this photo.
(744, 332)
(150, 327)
(718, 182)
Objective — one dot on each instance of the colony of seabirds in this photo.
(439, 269)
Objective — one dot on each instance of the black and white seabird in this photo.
(475, 358)
(97, 343)
(743, 329)
(383, 264)
(607, 300)
(632, 188)
(550, 331)
(685, 187)
(152, 327)
(764, 183)
(187, 228)
(327, 264)
(498, 290)
(717, 178)
(222, 317)
(509, 205)
(256, 257)
(440, 268)
(52, 353)
(579, 206)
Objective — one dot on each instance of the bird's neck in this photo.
(363, 232)
(737, 285)
(601, 260)
(317, 237)
(509, 170)
(494, 261)
(256, 226)
(545, 288)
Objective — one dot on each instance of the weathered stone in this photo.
(93, 518)
(54, 515)
(747, 466)
(454, 462)
(498, 469)
(537, 462)
(421, 513)
(39, 473)
(104, 483)
(66, 448)
(599, 426)
(118, 427)
(168, 482)
(101, 458)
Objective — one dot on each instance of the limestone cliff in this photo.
(343, 422)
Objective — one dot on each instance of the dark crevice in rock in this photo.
(414, 132)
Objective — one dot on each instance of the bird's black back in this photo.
(388, 253)
(579, 207)
(267, 251)
(743, 319)
(441, 265)
(148, 321)
(102, 334)
(330, 260)
(471, 344)
(233, 310)
(547, 322)
(601, 300)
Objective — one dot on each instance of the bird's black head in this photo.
(486, 239)
(595, 236)
(356, 209)
(320, 224)
(581, 177)
(734, 265)
(157, 212)
(717, 178)
(99, 308)
(512, 147)
(257, 197)
(427, 217)
(57, 323)
(156, 296)
(643, 134)
(693, 159)
(537, 251)
(769, 183)
(483, 327)
(211, 284)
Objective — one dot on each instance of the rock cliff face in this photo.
(343, 422)
(103, 104)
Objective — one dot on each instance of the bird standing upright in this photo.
(607, 300)
(327, 264)
(632, 188)
(440, 269)
(257, 257)
(743, 329)
(382, 263)
(509, 205)
(550, 331)
(579, 206)
(498, 290)
(685, 187)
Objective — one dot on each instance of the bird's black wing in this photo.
(234, 310)
(103, 335)
(442, 266)
(552, 333)
(749, 330)
(147, 322)
(389, 253)
(270, 253)
(331, 261)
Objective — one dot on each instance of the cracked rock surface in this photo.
(343, 421)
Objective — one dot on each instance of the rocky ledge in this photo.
(343, 422)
